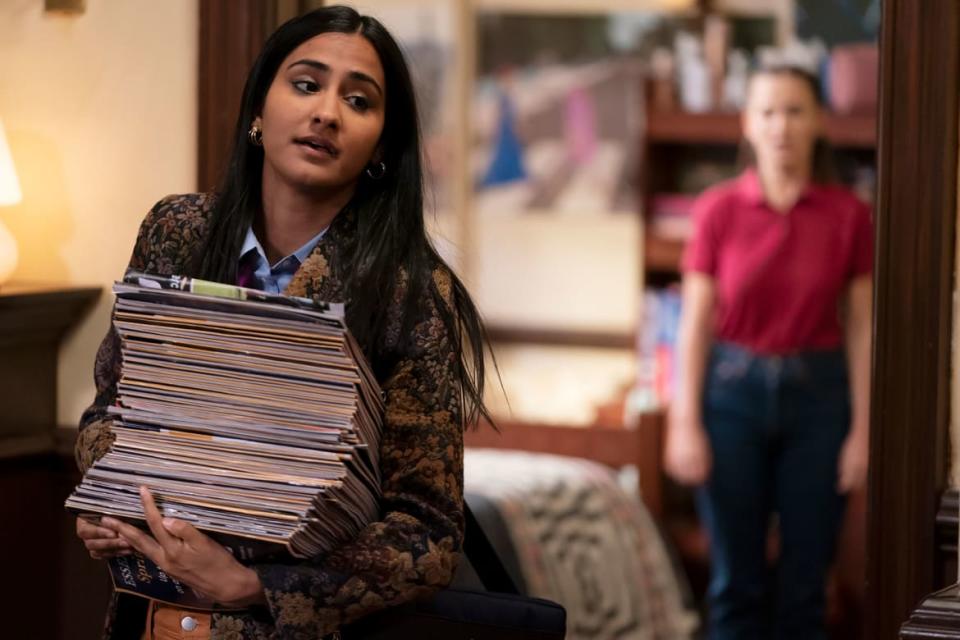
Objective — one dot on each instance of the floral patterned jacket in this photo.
(413, 549)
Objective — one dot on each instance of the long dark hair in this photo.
(391, 255)
(824, 168)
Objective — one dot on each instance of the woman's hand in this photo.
(854, 459)
(687, 457)
(191, 557)
(101, 542)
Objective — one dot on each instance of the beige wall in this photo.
(100, 111)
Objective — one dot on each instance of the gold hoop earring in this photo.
(381, 170)
(255, 135)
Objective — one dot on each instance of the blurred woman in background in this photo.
(772, 409)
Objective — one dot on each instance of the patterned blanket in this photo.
(580, 540)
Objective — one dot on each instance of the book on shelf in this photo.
(657, 365)
(671, 216)
(254, 417)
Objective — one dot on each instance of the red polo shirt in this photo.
(779, 277)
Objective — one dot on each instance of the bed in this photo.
(569, 529)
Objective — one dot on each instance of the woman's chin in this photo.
(784, 161)
(311, 182)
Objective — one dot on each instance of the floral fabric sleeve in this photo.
(172, 225)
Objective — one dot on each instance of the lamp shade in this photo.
(9, 185)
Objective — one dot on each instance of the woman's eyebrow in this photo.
(356, 75)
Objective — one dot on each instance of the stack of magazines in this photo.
(252, 416)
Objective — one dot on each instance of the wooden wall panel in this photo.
(231, 35)
(916, 211)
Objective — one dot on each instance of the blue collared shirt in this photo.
(273, 279)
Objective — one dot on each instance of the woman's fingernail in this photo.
(168, 522)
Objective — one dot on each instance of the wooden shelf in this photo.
(33, 320)
(662, 254)
(679, 127)
(852, 131)
(858, 131)
(40, 312)
(505, 334)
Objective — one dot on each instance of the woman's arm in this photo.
(859, 338)
(162, 243)
(687, 452)
(859, 335)
(96, 437)
(167, 237)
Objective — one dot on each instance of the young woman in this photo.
(322, 197)
(772, 411)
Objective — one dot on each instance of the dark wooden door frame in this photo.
(916, 221)
(916, 212)
(231, 34)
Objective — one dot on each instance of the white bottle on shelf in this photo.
(693, 74)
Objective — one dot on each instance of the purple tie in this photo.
(245, 274)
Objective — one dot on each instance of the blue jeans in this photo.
(776, 425)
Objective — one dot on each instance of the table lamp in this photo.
(9, 195)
